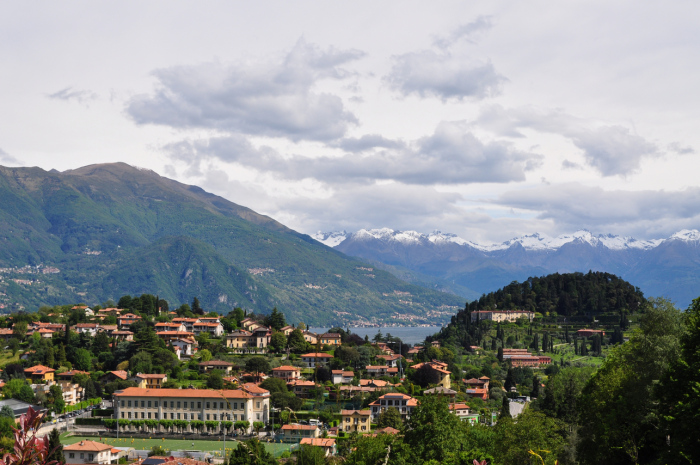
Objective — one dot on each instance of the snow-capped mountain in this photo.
(660, 267)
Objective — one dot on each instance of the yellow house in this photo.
(39, 373)
(355, 420)
(440, 370)
(155, 381)
(331, 339)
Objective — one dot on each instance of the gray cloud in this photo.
(642, 213)
(367, 142)
(466, 32)
(270, 99)
(611, 149)
(8, 159)
(67, 94)
(451, 155)
(680, 149)
(440, 74)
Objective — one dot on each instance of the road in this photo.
(63, 425)
(516, 408)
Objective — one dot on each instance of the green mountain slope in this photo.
(114, 229)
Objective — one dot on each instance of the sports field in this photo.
(215, 447)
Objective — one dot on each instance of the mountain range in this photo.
(102, 231)
(668, 267)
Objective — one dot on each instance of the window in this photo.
(178, 404)
(207, 404)
(172, 404)
(129, 414)
(199, 405)
(91, 457)
(221, 417)
(221, 405)
(149, 404)
(172, 416)
(129, 404)
(82, 456)
(143, 404)
(156, 404)
(122, 414)
(207, 416)
(149, 415)
(143, 415)
(257, 405)
(235, 405)
(71, 455)
(122, 403)
(178, 416)
(191, 404)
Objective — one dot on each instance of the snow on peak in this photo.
(686, 235)
(330, 239)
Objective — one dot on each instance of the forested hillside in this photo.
(102, 231)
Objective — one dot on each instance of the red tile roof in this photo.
(317, 355)
(319, 442)
(38, 370)
(299, 427)
(204, 393)
(87, 446)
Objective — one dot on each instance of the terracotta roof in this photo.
(254, 389)
(195, 393)
(317, 355)
(319, 442)
(331, 335)
(121, 333)
(215, 363)
(207, 324)
(38, 370)
(174, 333)
(119, 374)
(353, 412)
(388, 430)
(343, 372)
(178, 460)
(460, 406)
(73, 373)
(299, 427)
(86, 325)
(286, 368)
(87, 446)
(150, 376)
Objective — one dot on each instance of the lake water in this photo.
(408, 334)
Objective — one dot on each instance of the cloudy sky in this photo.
(485, 119)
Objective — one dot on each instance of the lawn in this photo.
(215, 447)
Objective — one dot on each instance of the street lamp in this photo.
(116, 414)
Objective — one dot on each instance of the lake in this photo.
(408, 334)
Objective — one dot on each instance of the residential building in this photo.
(287, 330)
(331, 339)
(315, 358)
(286, 372)
(183, 348)
(190, 404)
(6, 333)
(249, 324)
(502, 315)
(39, 373)
(123, 335)
(311, 338)
(171, 326)
(327, 444)
(460, 409)
(295, 433)
(68, 375)
(88, 311)
(342, 376)
(481, 383)
(114, 376)
(442, 376)
(206, 367)
(381, 370)
(240, 339)
(72, 392)
(355, 420)
(125, 321)
(529, 361)
(170, 336)
(386, 350)
(90, 452)
(89, 328)
(402, 402)
(391, 360)
(301, 388)
(188, 322)
(441, 391)
(214, 328)
(150, 381)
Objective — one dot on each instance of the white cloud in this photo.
(84, 97)
(271, 98)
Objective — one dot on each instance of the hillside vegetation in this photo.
(102, 231)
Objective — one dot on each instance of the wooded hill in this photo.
(578, 297)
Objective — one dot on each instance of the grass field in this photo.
(215, 447)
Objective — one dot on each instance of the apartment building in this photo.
(90, 452)
(502, 315)
(286, 372)
(295, 433)
(213, 328)
(342, 376)
(439, 369)
(331, 339)
(402, 402)
(171, 326)
(191, 404)
(315, 358)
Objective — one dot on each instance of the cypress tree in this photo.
(505, 408)
(55, 447)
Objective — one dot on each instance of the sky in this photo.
(489, 120)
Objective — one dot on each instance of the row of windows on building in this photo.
(208, 405)
(183, 416)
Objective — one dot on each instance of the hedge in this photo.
(100, 412)
(88, 421)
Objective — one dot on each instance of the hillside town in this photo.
(111, 378)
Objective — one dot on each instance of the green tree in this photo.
(251, 452)
(7, 412)
(158, 451)
(215, 380)
(205, 355)
(618, 414)
(678, 391)
(142, 362)
(296, 342)
(433, 432)
(13, 344)
(505, 409)
(82, 360)
(257, 365)
(390, 417)
(310, 455)
(20, 330)
(275, 320)
(196, 307)
(278, 342)
(533, 431)
(55, 447)
(26, 394)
